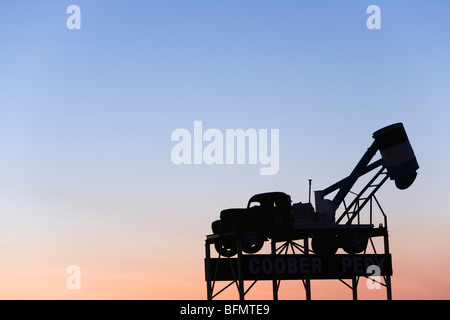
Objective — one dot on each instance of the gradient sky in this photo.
(86, 117)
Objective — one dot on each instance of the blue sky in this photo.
(86, 115)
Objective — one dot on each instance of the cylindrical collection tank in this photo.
(397, 154)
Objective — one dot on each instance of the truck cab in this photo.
(266, 215)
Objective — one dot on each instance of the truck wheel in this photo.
(252, 241)
(324, 245)
(354, 242)
(226, 249)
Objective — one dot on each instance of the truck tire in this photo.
(252, 241)
(355, 242)
(324, 245)
(226, 249)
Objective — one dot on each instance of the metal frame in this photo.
(361, 199)
(352, 212)
(295, 248)
(283, 248)
(237, 277)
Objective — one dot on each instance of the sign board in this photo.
(290, 266)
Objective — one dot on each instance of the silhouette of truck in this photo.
(272, 215)
(266, 215)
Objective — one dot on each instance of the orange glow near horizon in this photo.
(177, 275)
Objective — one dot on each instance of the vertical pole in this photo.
(388, 287)
(309, 193)
(274, 281)
(208, 270)
(240, 279)
(307, 281)
(355, 288)
(388, 277)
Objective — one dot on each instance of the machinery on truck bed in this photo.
(273, 216)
